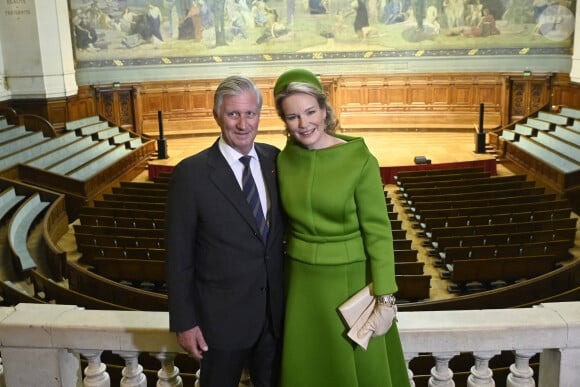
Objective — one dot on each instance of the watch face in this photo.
(556, 23)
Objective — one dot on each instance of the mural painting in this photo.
(140, 32)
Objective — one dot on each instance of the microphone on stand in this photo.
(161, 142)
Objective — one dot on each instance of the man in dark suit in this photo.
(225, 282)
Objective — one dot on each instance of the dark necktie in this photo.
(251, 192)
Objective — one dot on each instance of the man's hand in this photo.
(193, 342)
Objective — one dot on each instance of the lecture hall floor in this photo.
(392, 148)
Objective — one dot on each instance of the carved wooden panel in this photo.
(528, 94)
(115, 104)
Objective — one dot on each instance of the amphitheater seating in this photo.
(487, 191)
(83, 280)
(8, 200)
(407, 255)
(413, 287)
(8, 133)
(154, 215)
(422, 209)
(482, 218)
(18, 230)
(402, 175)
(430, 185)
(130, 270)
(155, 207)
(507, 208)
(50, 291)
(13, 295)
(117, 231)
(506, 270)
(546, 144)
(80, 163)
(443, 243)
(404, 179)
(558, 160)
(97, 218)
(162, 193)
(471, 225)
(409, 268)
(505, 228)
(558, 248)
(90, 252)
(567, 134)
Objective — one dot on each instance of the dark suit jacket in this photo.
(220, 275)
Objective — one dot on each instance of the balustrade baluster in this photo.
(521, 374)
(245, 379)
(168, 375)
(96, 374)
(2, 381)
(408, 357)
(133, 375)
(481, 374)
(441, 374)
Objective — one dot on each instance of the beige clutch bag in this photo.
(356, 311)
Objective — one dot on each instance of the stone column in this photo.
(37, 49)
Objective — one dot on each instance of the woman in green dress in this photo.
(339, 240)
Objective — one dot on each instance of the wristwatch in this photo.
(387, 299)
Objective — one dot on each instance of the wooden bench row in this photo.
(558, 248)
(442, 243)
(503, 228)
(506, 270)
(463, 185)
(97, 218)
(483, 219)
(87, 282)
(404, 176)
(472, 198)
(550, 203)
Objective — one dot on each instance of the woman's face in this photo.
(305, 120)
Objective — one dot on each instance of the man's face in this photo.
(238, 119)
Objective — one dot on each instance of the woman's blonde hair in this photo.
(330, 123)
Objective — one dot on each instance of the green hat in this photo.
(296, 75)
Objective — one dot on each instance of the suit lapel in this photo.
(222, 176)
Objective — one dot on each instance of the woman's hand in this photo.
(380, 320)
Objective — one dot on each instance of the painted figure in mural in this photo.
(316, 7)
(127, 21)
(191, 27)
(396, 11)
(274, 30)
(290, 11)
(85, 35)
(218, 10)
(154, 20)
(419, 12)
(486, 26)
(361, 19)
(454, 11)
(237, 23)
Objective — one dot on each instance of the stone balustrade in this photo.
(42, 345)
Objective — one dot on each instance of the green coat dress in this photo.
(339, 239)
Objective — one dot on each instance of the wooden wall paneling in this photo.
(116, 105)
(564, 92)
(446, 101)
(528, 94)
(81, 105)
